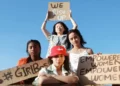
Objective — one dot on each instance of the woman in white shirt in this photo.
(78, 49)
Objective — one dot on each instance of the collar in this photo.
(52, 68)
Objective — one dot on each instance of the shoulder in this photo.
(64, 35)
(50, 37)
(70, 51)
(46, 70)
(89, 51)
(22, 61)
(43, 70)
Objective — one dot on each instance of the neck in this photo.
(35, 58)
(77, 47)
(59, 68)
(59, 34)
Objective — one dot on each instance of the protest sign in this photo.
(19, 73)
(99, 69)
(59, 10)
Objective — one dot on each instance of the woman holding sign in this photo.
(59, 34)
(78, 49)
(58, 72)
(34, 51)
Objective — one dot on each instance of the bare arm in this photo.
(56, 79)
(73, 22)
(67, 79)
(48, 80)
(43, 27)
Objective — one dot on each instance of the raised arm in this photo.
(43, 27)
(73, 22)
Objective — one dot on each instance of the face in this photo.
(74, 39)
(58, 61)
(33, 49)
(59, 29)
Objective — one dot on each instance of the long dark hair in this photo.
(65, 32)
(36, 42)
(66, 63)
(76, 31)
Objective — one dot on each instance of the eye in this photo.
(71, 38)
(30, 47)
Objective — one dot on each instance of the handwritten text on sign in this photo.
(59, 10)
(99, 69)
(20, 73)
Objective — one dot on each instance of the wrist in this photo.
(45, 21)
(70, 18)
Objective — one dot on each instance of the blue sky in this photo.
(20, 21)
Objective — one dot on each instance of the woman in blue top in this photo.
(59, 34)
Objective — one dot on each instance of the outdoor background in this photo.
(20, 21)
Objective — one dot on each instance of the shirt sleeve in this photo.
(22, 61)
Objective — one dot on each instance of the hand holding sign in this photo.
(23, 72)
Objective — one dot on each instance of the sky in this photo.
(20, 21)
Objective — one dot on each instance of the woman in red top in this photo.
(34, 53)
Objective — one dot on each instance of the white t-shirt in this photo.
(74, 59)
